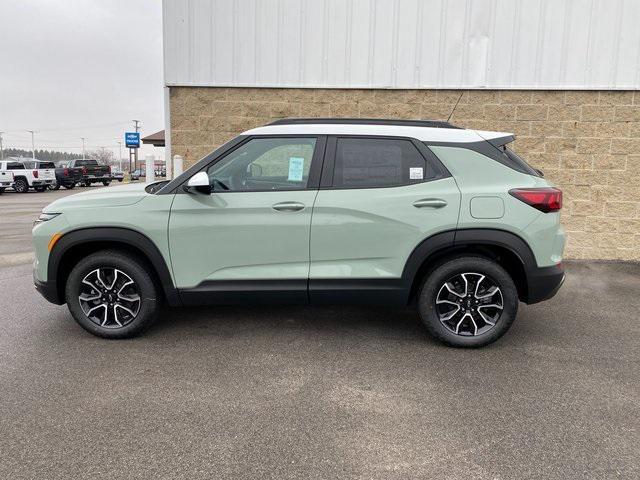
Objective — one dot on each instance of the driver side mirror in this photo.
(199, 183)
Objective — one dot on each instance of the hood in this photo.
(118, 196)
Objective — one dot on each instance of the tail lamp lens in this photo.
(65, 172)
(545, 199)
(84, 170)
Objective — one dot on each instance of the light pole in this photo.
(1, 149)
(83, 139)
(33, 145)
(120, 154)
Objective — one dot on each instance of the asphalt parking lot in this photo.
(336, 392)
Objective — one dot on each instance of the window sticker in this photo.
(296, 168)
(416, 173)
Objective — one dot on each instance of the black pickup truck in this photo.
(92, 171)
(66, 176)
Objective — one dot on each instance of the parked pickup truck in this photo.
(6, 179)
(66, 176)
(29, 173)
(92, 171)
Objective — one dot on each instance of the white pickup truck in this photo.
(29, 173)
(6, 179)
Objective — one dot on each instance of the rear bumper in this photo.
(543, 283)
(96, 179)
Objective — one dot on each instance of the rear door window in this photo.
(362, 162)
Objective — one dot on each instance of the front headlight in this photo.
(45, 217)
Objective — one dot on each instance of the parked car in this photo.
(138, 173)
(29, 173)
(6, 180)
(92, 171)
(67, 176)
(404, 213)
(117, 175)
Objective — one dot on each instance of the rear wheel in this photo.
(468, 302)
(2, 190)
(111, 295)
(21, 185)
(105, 183)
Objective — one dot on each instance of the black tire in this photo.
(2, 190)
(55, 186)
(70, 186)
(106, 184)
(40, 188)
(120, 180)
(474, 268)
(129, 265)
(20, 185)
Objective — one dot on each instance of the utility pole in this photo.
(33, 145)
(135, 153)
(83, 139)
(1, 149)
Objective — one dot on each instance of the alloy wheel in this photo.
(469, 304)
(109, 297)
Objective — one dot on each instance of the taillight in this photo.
(35, 174)
(65, 172)
(84, 170)
(109, 169)
(545, 199)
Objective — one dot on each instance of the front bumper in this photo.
(543, 283)
(48, 290)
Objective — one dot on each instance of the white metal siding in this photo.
(543, 44)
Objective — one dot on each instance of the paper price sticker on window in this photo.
(416, 173)
(296, 169)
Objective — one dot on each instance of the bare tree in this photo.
(104, 156)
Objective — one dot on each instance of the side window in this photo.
(264, 164)
(15, 166)
(377, 162)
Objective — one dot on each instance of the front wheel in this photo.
(69, 186)
(55, 186)
(468, 302)
(2, 190)
(111, 295)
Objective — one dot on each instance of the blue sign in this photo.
(132, 139)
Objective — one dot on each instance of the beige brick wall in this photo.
(586, 142)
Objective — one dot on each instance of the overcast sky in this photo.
(80, 68)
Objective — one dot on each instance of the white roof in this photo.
(430, 134)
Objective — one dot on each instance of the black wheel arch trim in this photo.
(116, 235)
(541, 282)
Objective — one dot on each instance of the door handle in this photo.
(430, 203)
(288, 206)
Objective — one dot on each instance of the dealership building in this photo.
(564, 76)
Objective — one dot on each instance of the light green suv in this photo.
(316, 211)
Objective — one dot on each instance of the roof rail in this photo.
(364, 121)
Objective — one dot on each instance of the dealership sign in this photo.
(132, 139)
